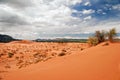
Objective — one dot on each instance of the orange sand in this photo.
(95, 63)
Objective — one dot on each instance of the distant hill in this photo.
(6, 38)
(61, 40)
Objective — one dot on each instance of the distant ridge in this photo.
(61, 40)
(6, 38)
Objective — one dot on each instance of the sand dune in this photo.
(95, 63)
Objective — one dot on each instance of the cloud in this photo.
(116, 7)
(87, 4)
(36, 17)
(103, 25)
(100, 11)
(10, 18)
(88, 18)
(30, 19)
(17, 3)
(90, 11)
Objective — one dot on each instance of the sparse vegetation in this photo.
(39, 57)
(54, 54)
(92, 41)
(111, 34)
(36, 55)
(82, 49)
(1, 54)
(10, 55)
(101, 36)
(64, 50)
(61, 54)
(17, 58)
(62, 40)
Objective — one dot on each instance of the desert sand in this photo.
(59, 61)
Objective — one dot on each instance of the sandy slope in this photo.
(96, 63)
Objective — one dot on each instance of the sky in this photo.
(32, 19)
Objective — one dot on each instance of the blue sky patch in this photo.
(103, 9)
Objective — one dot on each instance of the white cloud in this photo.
(17, 3)
(41, 16)
(90, 11)
(88, 18)
(103, 25)
(116, 7)
(100, 11)
(87, 4)
(44, 17)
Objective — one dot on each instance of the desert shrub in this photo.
(38, 55)
(53, 54)
(10, 55)
(1, 54)
(82, 49)
(61, 54)
(19, 62)
(100, 35)
(92, 41)
(36, 60)
(111, 34)
(64, 50)
(17, 58)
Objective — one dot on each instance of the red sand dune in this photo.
(95, 63)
